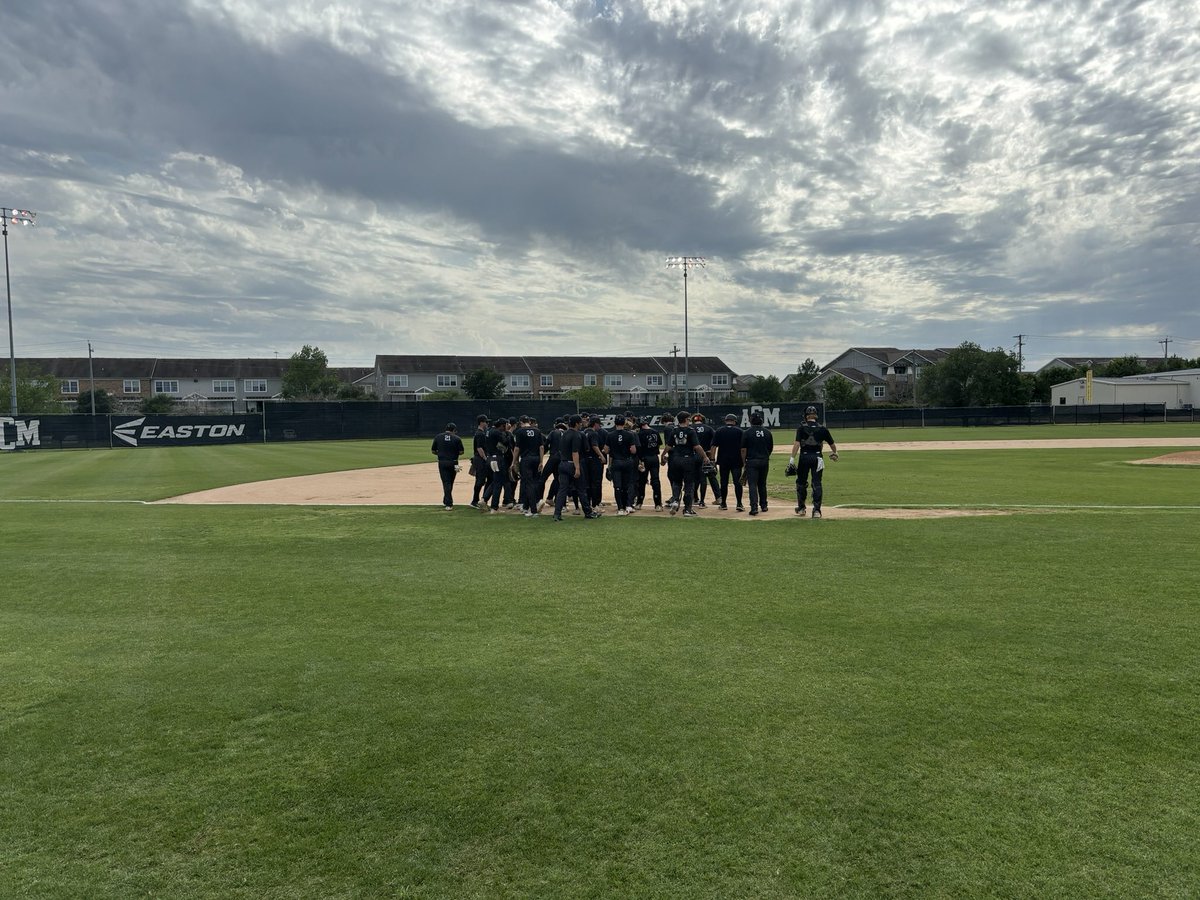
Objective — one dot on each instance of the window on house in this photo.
(655, 381)
(255, 385)
(518, 381)
(447, 381)
(901, 370)
(612, 380)
(164, 386)
(679, 380)
(589, 380)
(720, 381)
(547, 381)
(131, 386)
(224, 386)
(70, 386)
(878, 391)
(397, 381)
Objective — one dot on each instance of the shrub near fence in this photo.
(366, 421)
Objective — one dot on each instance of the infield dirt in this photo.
(419, 485)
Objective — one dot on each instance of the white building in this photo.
(1176, 390)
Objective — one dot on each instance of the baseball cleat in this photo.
(800, 510)
(816, 514)
(689, 513)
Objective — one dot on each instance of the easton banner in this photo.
(181, 431)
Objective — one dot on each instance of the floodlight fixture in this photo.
(685, 263)
(14, 217)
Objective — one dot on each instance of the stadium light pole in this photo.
(17, 217)
(685, 263)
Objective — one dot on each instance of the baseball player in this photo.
(448, 447)
(570, 470)
(530, 447)
(757, 444)
(649, 442)
(680, 452)
(479, 460)
(727, 445)
(622, 445)
(811, 436)
(704, 434)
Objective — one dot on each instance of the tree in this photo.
(767, 389)
(1171, 364)
(159, 404)
(970, 376)
(801, 387)
(484, 384)
(36, 392)
(104, 402)
(1039, 384)
(842, 393)
(1121, 367)
(352, 392)
(307, 376)
(590, 397)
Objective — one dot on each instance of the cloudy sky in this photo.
(241, 177)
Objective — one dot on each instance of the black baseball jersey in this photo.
(593, 441)
(573, 442)
(682, 441)
(530, 442)
(622, 444)
(811, 436)
(704, 434)
(479, 442)
(758, 442)
(554, 443)
(495, 444)
(650, 441)
(728, 441)
(448, 446)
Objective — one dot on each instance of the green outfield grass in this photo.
(361, 702)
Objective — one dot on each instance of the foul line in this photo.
(18, 500)
(1001, 506)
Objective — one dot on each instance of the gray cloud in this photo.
(511, 174)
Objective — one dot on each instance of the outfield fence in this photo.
(279, 421)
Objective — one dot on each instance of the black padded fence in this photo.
(371, 421)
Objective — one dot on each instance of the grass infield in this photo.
(354, 702)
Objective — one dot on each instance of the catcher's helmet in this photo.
(811, 411)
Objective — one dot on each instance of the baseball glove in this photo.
(790, 470)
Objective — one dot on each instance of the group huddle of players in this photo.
(518, 467)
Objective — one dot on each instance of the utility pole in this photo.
(91, 379)
(1166, 342)
(1020, 352)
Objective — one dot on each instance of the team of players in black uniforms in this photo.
(517, 466)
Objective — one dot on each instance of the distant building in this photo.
(1176, 390)
(632, 380)
(888, 374)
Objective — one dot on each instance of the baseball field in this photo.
(270, 700)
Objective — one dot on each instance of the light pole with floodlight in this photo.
(685, 263)
(17, 217)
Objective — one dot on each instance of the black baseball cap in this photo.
(730, 418)
(479, 419)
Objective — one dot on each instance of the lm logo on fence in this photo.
(25, 433)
